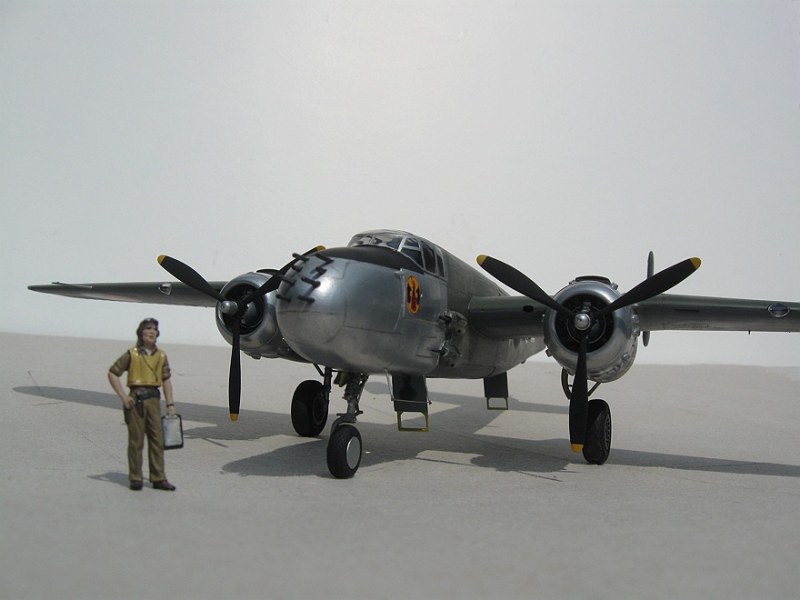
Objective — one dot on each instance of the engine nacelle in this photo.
(259, 334)
(612, 340)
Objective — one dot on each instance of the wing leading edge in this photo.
(174, 293)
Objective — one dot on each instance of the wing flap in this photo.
(705, 313)
(173, 293)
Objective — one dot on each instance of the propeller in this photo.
(583, 319)
(234, 309)
(651, 267)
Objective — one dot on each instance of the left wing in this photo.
(501, 317)
(706, 313)
(146, 292)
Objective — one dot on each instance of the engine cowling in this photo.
(612, 340)
(259, 334)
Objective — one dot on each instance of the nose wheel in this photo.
(344, 449)
(344, 443)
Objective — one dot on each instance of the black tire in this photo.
(309, 409)
(598, 434)
(344, 451)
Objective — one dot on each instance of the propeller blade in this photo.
(651, 268)
(235, 374)
(520, 282)
(652, 286)
(579, 400)
(186, 274)
(273, 282)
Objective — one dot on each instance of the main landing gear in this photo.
(598, 431)
(310, 413)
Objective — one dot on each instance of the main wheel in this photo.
(598, 434)
(344, 451)
(309, 408)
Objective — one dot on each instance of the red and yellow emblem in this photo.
(413, 294)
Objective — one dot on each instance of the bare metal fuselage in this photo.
(369, 310)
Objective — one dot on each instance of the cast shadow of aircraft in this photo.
(384, 444)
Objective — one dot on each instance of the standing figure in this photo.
(148, 370)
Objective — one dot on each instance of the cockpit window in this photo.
(411, 249)
(422, 253)
(378, 238)
(429, 256)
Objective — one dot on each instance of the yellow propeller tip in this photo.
(577, 448)
(696, 262)
(481, 259)
(319, 248)
(234, 416)
(161, 258)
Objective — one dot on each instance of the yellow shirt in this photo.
(143, 369)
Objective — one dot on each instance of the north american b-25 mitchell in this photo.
(392, 302)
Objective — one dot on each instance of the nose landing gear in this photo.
(344, 445)
(310, 413)
(598, 426)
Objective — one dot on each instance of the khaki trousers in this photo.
(138, 427)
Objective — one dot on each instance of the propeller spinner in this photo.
(583, 319)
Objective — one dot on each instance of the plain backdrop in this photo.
(566, 138)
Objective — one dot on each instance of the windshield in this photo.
(418, 250)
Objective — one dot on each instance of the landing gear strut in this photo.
(598, 426)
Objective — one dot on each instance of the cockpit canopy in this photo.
(422, 252)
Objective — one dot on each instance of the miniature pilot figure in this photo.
(148, 370)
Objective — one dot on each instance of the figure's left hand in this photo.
(171, 410)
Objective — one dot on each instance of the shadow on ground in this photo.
(383, 444)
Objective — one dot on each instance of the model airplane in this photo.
(392, 302)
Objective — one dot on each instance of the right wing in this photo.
(168, 292)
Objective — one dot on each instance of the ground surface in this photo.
(699, 498)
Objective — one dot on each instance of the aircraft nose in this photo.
(336, 311)
(309, 305)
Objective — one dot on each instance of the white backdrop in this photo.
(567, 138)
